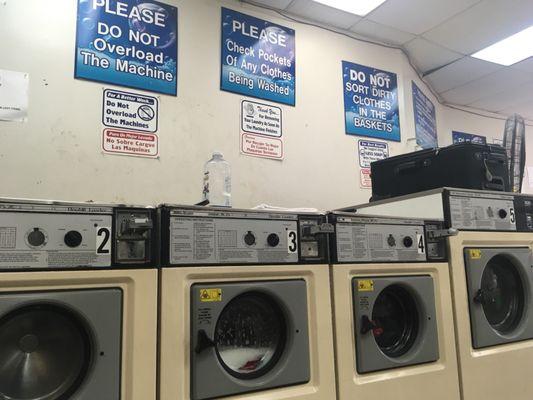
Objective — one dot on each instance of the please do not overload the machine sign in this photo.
(128, 43)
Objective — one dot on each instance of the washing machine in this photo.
(490, 241)
(394, 335)
(245, 305)
(78, 301)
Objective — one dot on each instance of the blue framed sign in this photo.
(132, 43)
(370, 102)
(258, 58)
(425, 119)
(462, 137)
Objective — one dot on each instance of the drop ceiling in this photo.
(440, 36)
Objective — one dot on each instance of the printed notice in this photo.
(128, 43)
(257, 58)
(370, 102)
(13, 95)
(366, 182)
(261, 146)
(425, 119)
(129, 111)
(370, 151)
(130, 143)
(261, 119)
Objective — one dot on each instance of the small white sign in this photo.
(13, 95)
(370, 151)
(261, 119)
(131, 111)
(261, 146)
(366, 182)
(130, 143)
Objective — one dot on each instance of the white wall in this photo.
(57, 153)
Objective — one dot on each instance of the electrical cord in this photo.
(388, 46)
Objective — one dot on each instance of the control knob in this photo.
(36, 237)
(249, 238)
(408, 241)
(391, 241)
(73, 238)
(502, 213)
(273, 240)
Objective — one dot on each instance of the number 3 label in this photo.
(103, 242)
(292, 242)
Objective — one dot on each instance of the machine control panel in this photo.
(216, 236)
(43, 235)
(481, 211)
(364, 239)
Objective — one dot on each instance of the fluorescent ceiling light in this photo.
(357, 7)
(510, 50)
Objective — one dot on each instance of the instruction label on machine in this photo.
(479, 211)
(136, 144)
(227, 241)
(129, 111)
(37, 240)
(376, 242)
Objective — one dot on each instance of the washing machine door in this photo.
(499, 282)
(395, 322)
(248, 337)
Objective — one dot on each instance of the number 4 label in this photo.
(103, 242)
(420, 244)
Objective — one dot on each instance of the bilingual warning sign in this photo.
(130, 111)
(366, 181)
(116, 141)
(261, 146)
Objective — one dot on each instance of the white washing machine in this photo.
(393, 310)
(492, 280)
(245, 305)
(78, 301)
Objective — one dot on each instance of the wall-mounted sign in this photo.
(257, 58)
(261, 146)
(129, 111)
(261, 119)
(370, 102)
(130, 143)
(370, 151)
(462, 137)
(14, 88)
(425, 119)
(128, 43)
(364, 178)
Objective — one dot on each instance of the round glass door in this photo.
(396, 320)
(502, 294)
(44, 353)
(250, 335)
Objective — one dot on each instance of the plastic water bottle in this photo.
(217, 181)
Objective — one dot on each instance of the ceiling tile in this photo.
(427, 55)
(525, 66)
(383, 33)
(489, 85)
(459, 73)
(281, 4)
(323, 14)
(483, 24)
(525, 110)
(511, 97)
(417, 16)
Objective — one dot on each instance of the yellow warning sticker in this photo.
(208, 295)
(366, 285)
(475, 254)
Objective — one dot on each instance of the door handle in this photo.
(203, 342)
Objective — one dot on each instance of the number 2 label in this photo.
(103, 242)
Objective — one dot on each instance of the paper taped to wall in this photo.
(13, 95)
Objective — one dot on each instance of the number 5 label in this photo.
(103, 240)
